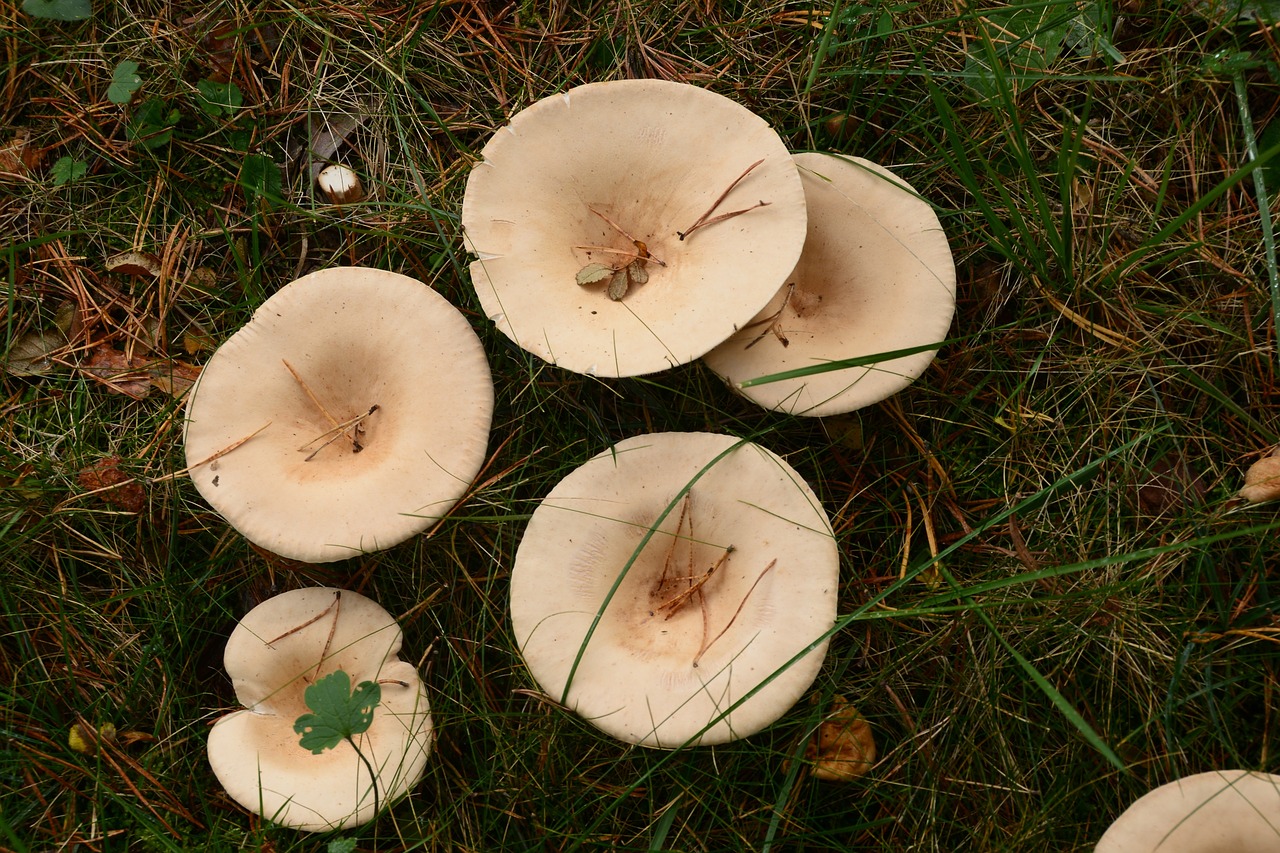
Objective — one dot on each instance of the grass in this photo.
(1099, 617)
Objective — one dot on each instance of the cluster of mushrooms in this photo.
(677, 589)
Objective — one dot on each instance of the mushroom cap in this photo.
(651, 155)
(1262, 480)
(276, 651)
(1222, 811)
(876, 275)
(640, 678)
(357, 337)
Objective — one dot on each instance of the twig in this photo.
(338, 431)
(314, 619)
(733, 618)
(639, 244)
(221, 453)
(703, 220)
(311, 396)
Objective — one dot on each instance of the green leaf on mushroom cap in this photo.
(336, 712)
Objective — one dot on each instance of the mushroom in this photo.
(712, 571)
(876, 275)
(626, 227)
(350, 413)
(1262, 480)
(278, 649)
(1222, 811)
(340, 184)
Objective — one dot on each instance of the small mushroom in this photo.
(349, 414)
(340, 184)
(1222, 811)
(731, 592)
(688, 196)
(279, 648)
(1262, 480)
(843, 748)
(876, 275)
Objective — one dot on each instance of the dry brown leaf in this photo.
(122, 491)
(32, 354)
(118, 371)
(174, 378)
(843, 747)
(19, 156)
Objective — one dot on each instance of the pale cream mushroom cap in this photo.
(653, 156)
(876, 275)
(1262, 480)
(1222, 811)
(357, 337)
(277, 650)
(640, 678)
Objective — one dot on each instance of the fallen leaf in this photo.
(18, 155)
(594, 273)
(843, 747)
(32, 354)
(174, 378)
(119, 372)
(194, 343)
(618, 285)
(121, 491)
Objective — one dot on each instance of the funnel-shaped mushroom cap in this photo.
(651, 156)
(1222, 811)
(716, 597)
(330, 476)
(876, 275)
(277, 650)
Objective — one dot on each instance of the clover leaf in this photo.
(337, 713)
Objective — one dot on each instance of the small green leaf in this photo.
(67, 169)
(619, 284)
(336, 712)
(341, 845)
(593, 273)
(639, 275)
(58, 10)
(219, 99)
(260, 178)
(125, 80)
(152, 126)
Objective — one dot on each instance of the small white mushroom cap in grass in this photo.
(1222, 811)
(876, 275)
(1262, 480)
(340, 185)
(733, 591)
(279, 648)
(378, 352)
(651, 156)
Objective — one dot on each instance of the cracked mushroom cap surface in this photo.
(279, 648)
(356, 338)
(1221, 811)
(651, 156)
(876, 275)
(712, 599)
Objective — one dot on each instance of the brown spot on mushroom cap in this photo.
(272, 656)
(649, 674)
(357, 338)
(1222, 811)
(876, 275)
(652, 156)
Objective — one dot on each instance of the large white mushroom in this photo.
(1222, 811)
(655, 627)
(876, 275)
(281, 647)
(366, 401)
(626, 227)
